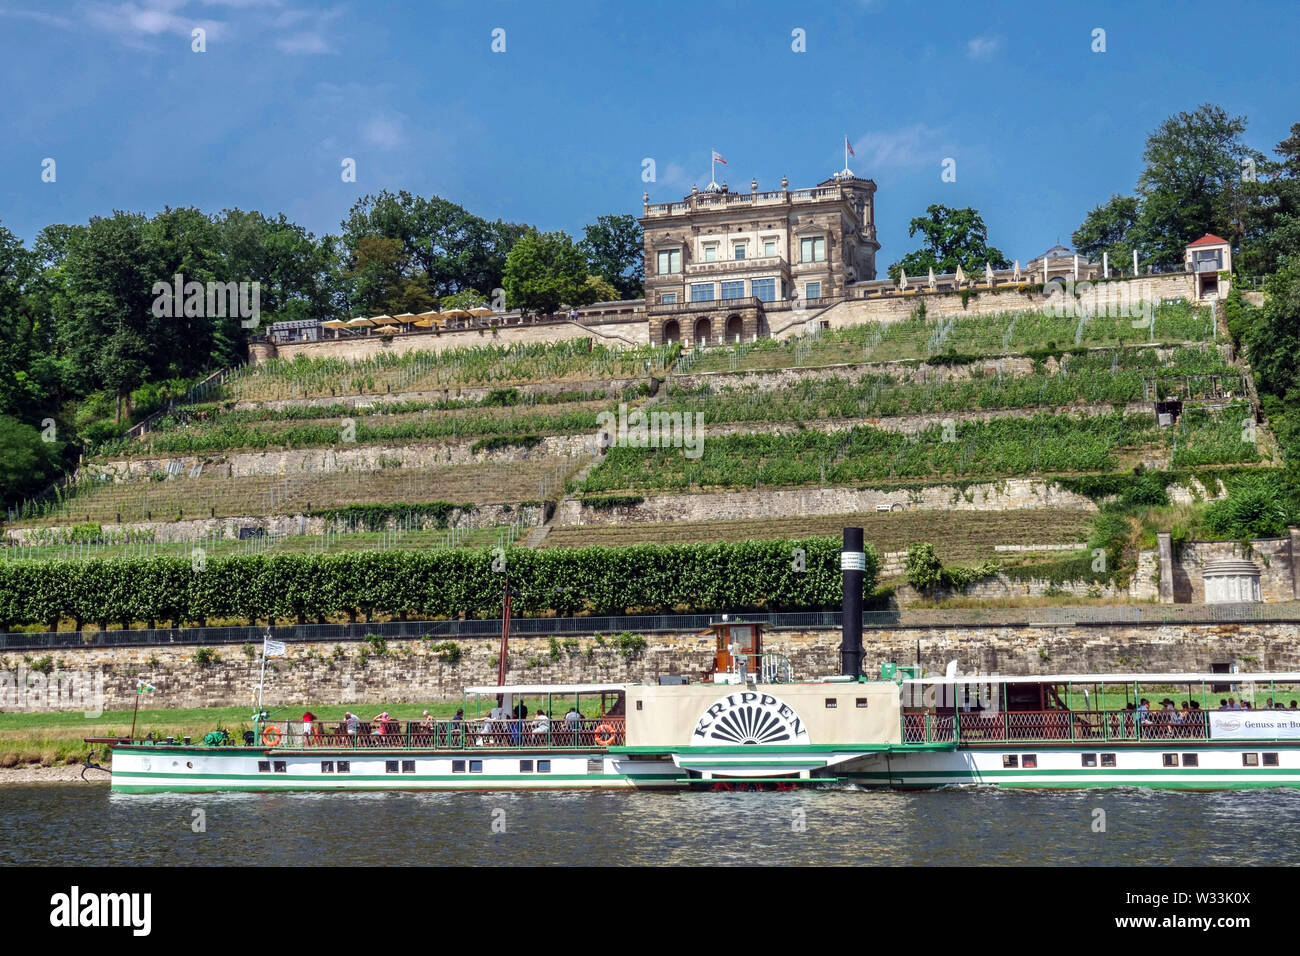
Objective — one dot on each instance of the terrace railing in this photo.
(1057, 726)
(589, 733)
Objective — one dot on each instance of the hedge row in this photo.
(645, 578)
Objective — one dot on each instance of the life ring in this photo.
(271, 736)
(604, 735)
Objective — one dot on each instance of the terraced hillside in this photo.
(996, 438)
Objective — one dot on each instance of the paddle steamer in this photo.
(749, 723)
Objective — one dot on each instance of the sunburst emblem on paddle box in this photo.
(749, 718)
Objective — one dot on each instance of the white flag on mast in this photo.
(272, 648)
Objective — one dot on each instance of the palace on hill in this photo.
(724, 267)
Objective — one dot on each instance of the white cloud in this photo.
(303, 43)
(386, 133)
(901, 147)
(983, 47)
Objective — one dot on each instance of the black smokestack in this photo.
(853, 564)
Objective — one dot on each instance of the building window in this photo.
(344, 766)
(670, 261)
(1108, 760)
(390, 766)
(1171, 760)
(1089, 760)
(1191, 760)
(812, 290)
(739, 250)
(1029, 761)
(264, 766)
(327, 766)
(458, 766)
(702, 292)
(1010, 760)
(668, 298)
(733, 290)
(1270, 760)
(1250, 760)
(764, 289)
(711, 252)
(543, 766)
(280, 767)
(525, 766)
(769, 248)
(408, 766)
(813, 249)
(476, 766)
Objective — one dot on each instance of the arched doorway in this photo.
(735, 329)
(703, 328)
(672, 332)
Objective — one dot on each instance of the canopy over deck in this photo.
(1242, 677)
(540, 690)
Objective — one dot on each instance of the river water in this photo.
(60, 824)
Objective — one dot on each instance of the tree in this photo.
(953, 237)
(1107, 229)
(27, 462)
(615, 252)
(1272, 223)
(381, 282)
(1191, 184)
(545, 271)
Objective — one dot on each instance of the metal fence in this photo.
(649, 623)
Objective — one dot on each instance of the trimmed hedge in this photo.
(739, 576)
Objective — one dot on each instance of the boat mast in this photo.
(505, 637)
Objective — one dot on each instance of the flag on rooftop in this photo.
(849, 146)
(717, 158)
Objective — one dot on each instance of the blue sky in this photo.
(554, 130)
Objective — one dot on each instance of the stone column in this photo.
(1166, 550)
(1294, 553)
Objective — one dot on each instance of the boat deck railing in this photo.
(1060, 726)
(589, 733)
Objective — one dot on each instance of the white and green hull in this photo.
(150, 769)
(1159, 766)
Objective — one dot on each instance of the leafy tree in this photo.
(615, 252)
(1273, 215)
(924, 569)
(1107, 229)
(545, 271)
(465, 299)
(953, 237)
(382, 282)
(27, 462)
(1191, 184)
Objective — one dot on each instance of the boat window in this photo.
(458, 766)
(390, 766)
(476, 766)
(1010, 760)
(327, 766)
(862, 702)
(543, 766)
(1108, 760)
(408, 766)
(1171, 760)
(595, 765)
(1250, 760)
(831, 702)
(345, 766)
(1270, 760)
(279, 767)
(264, 766)
(638, 704)
(1089, 760)
(1191, 760)
(1029, 760)
(525, 766)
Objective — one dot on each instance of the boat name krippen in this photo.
(749, 717)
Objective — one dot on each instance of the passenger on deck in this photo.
(1232, 704)
(1293, 706)
(350, 723)
(541, 725)
(1223, 704)
(308, 724)
(426, 724)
